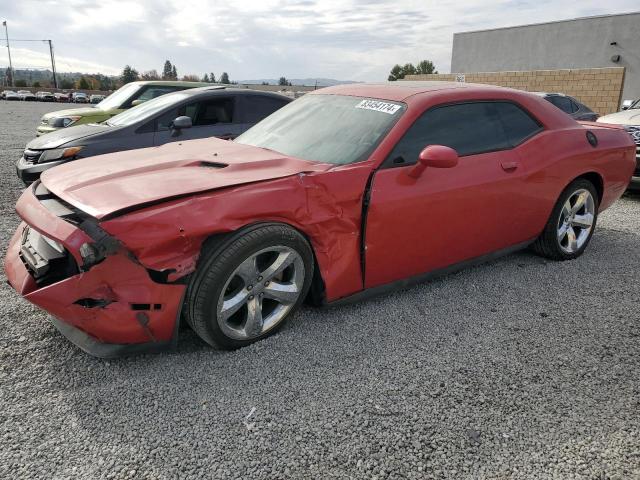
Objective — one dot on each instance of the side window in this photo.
(563, 103)
(163, 122)
(212, 112)
(258, 107)
(154, 92)
(468, 128)
(518, 124)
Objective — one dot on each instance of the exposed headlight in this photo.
(634, 131)
(61, 122)
(58, 153)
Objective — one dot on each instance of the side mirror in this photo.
(435, 156)
(626, 104)
(179, 123)
(135, 103)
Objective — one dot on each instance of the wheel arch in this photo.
(215, 242)
(595, 178)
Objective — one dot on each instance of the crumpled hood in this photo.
(62, 136)
(626, 117)
(107, 184)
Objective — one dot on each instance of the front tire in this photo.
(571, 224)
(246, 290)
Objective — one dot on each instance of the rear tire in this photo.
(571, 223)
(246, 290)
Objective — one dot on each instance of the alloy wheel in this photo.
(576, 221)
(260, 292)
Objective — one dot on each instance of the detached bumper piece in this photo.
(108, 309)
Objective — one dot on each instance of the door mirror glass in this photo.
(434, 156)
(135, 103)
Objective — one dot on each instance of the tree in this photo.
(205, 79)
(21, 83)
(36, 84)
(425, 67)
(283, 81)
(212, 78)
(408, 69)
(128, 75)
(396, 73)
(174, 73)
(191, 78)
(83, 84)
(167, 71)
(265, 83)
(150, 75)
(224, 78)
(66, 84)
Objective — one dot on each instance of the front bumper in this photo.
(112, 308)
(29, 172)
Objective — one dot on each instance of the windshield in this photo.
(117, 98)
(326, 128)
(145, 110)
(635, 104)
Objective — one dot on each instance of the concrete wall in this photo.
(570, 44)
(598, 88)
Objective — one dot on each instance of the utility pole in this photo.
(6, 32)
(53, 64)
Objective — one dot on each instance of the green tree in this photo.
(66, 84)
(212, 78)
(174, 73)
(224, 78)
(36, 84)
(396, 73)
(128, 75)
(83, 84)
(283, 81)
(21, 83)
(167, 71)
(205, 78)
(150, 75)
(425, 67)
(408, 69)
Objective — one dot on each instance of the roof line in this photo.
(592, 17)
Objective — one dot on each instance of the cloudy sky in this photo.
(342, 39)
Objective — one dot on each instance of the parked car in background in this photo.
(61, 97)
(45, 97)
(570, 106)
(125, 97)
(26, 96)
(349, 191)
(96, 98)
(10, 95)
(195, 113)
(629, 118)
(80, 97)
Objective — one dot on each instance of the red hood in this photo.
(101, 186)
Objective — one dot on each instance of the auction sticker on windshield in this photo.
(379, 106)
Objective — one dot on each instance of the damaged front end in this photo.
(101, 298)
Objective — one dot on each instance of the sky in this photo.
(249, 39)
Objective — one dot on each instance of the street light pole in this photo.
(53, 65)
(6, 32)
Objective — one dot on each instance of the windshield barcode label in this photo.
(378, 106)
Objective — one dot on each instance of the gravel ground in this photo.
(520, 368)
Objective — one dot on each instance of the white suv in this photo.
(630, 119)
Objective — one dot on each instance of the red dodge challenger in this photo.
(349, 191)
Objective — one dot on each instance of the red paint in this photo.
(416, 221)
